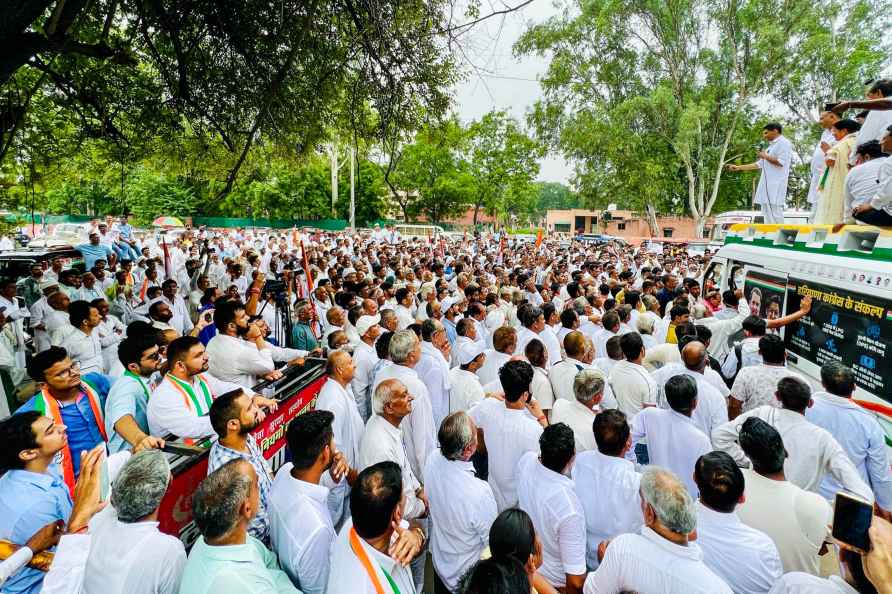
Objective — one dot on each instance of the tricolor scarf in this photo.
(49, 406)
(199, 405)
(367, 565)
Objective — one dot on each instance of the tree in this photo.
(661, 95)
(504, 162)
(434, 171)
(243, 72)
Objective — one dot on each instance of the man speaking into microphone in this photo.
(774, 162)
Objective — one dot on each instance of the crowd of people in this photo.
(498, 416)
(851, 176)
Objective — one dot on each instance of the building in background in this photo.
(620, 223)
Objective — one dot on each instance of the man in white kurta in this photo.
(336, 396)
(774, 164)
(463, 507)
(818, 159)
(419, 431)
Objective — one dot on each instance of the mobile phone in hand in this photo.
(851, 521)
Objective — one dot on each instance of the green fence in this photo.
(229, 222)
(225, 222)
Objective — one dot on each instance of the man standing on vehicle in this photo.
(771, 193)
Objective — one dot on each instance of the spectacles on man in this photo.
(71, 370)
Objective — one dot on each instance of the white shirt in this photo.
(381, 442)
(861, 436)
(508, 435)
(463, 509)
(489, 371)
(466, 389)
(649, 563)
(633, 387)
(744, 557)
(673, 441)
(131, 558)
(168, 413)
(433, 370)
(348, 428)
(540, 388)
(818, 164)
(301, 531)
(550, 500)
(607, 487)
(562, 376)
(712, 408)
(404, 317)
(873, 128)
(524, 336)
(180, 321)
(812, 451)
(552, 345)
(347, 574)
(600, 341)
(419, 431)
(772, 185)
(364, 360)
(238, 361)
(110, 331)
(862, 183)
(86, 350)
(579, 418)
(797, 582)
(795, 519)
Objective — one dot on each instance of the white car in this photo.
(63, 234)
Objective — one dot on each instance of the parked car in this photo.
(62, 235)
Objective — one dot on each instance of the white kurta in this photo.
(772, 186)
(818, 165)
(419, 431)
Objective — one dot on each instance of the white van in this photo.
(848, 274)
(723, 221)
(408, 231)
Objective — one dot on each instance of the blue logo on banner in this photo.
(873, 331)
(834, 318)
(868, 362)
(830, 345)
(801, 331)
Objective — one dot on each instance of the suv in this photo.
(17, 263)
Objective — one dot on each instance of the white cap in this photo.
(495, 319)
(365, 322)
(447, 302)
(43, 286)
(469, 351)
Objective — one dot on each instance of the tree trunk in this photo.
(651, 217)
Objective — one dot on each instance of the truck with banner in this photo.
(847, 271)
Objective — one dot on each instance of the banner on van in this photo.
(845, 326)
(764, 294)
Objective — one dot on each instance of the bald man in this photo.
(712, 407)
(580, 354)
(337, 396)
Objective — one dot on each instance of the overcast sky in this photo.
(499, 81)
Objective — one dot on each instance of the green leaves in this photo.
(651, 98)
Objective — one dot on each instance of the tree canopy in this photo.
(652, 98)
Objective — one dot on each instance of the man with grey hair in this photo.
(383, 441)
(579, 414)
(226, 559)
(152, 561)
(419, 431)
(662, 558)
(462, 506)
(303, 335)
